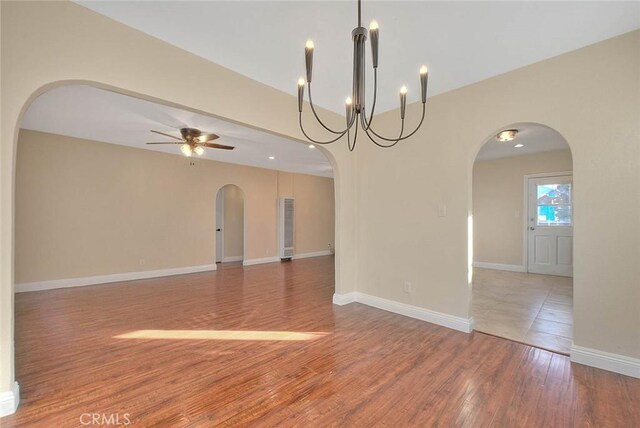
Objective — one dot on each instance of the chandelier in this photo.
(356, 114)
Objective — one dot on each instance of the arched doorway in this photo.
(229, 224)
(523, 237)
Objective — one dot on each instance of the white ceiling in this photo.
(99, 115)
(534, 138)
(461, 42)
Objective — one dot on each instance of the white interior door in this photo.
(550, 225)
(220, 226)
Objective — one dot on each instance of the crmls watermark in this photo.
(113, 419)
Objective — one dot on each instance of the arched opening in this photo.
(522, 237)
(193, 182)
(229, 224)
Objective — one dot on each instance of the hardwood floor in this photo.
(532, 309)
(100, 350)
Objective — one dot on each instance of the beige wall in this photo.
(498, 203)
(591, 97)
(387, 227)
(233, 221)
(85, 208)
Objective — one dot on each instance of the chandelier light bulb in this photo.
(199, 150)
(424, 70)
(403, 90)
(301, 81)
(185, 149)
(373, 26)
(348, 101)
(308, 59)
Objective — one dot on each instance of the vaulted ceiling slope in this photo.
(461, 42)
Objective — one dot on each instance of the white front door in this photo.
(550, 225)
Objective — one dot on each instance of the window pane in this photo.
(554, 204)
(554, 215)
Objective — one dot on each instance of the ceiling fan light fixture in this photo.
(199, 150)
(186, 150)
(506, 135)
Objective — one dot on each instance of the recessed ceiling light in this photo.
(507, 135)
(517, 146)
(311, 146)
(271, 157)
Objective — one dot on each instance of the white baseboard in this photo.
(314, 254)
(457, 323)
(277, 259)
(104, 279)
(605, 360)
(344, 299)
(499, 266)
(9, 400)
(260, 261)
(232, 259)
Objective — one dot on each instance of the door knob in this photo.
(218, 230)
(532, 228)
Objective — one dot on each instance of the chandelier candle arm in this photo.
(300, 93)
(424, 76)
(308, 59)
(315, 114)
(375, 97)
(349, 109)
(317, 141)
(393, 141)
(403, 101)
(373, 33)
(402, 138)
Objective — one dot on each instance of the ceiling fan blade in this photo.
(168, 142)
(167, 135)
(208, 137)
(217, 146)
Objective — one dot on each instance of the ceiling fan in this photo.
(193, 141)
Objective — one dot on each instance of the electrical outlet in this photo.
(143, 262)
(407, 287)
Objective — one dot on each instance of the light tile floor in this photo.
(528, 308)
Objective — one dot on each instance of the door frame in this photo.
(219, 235)
(525, 210)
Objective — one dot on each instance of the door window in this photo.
(554, 205)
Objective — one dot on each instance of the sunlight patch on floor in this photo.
(222, 335)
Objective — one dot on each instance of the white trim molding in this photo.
(500, 266)
(260, 261)
(344, 299)
(9, 400)
(232, 259)
(104, 279)
(605, 360)
(277, 259)
(314, 254)
(465, 325)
